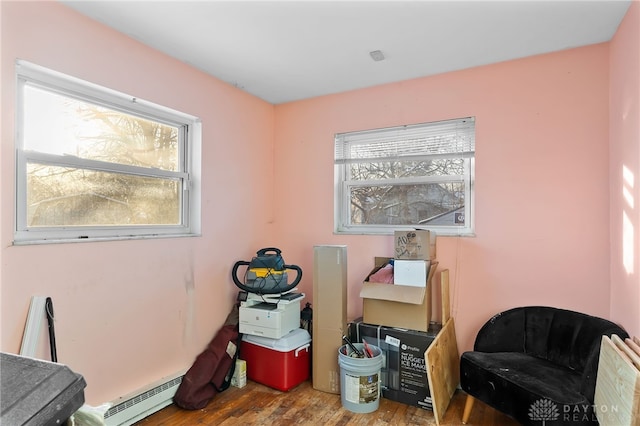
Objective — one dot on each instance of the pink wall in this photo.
(542, 191)
(131, 312)
(624, 178)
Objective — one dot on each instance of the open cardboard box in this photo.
(397, 305)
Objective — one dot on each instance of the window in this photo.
(93, 163)
(414, 176)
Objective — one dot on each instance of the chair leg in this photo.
(467, 409)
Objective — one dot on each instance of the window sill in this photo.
(390, 231)
(100, 239)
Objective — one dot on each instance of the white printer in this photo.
(270, 315)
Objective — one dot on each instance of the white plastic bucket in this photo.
(360, 379)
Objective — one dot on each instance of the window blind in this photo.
(450, 138)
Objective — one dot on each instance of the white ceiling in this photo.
(282, 51)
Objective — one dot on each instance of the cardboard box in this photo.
(278, 363)
(329, 315)
(397, 305)
(404, 373)
(414, 244)
(410, 272)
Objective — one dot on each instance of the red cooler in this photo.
(278, 363)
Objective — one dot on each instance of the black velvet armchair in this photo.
(537, 364)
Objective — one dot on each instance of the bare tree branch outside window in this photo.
(408, 176)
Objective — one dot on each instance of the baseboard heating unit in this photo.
(129, 409)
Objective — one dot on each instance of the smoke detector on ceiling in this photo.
(377, 55)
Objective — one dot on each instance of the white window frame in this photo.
(398, 134)
(190, 134)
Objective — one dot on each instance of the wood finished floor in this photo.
(256, 404)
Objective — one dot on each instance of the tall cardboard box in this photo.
(397, 305)
(329, 315)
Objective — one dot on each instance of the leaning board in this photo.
(617, 397)
(442, 359)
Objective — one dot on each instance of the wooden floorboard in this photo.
(256, 404)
